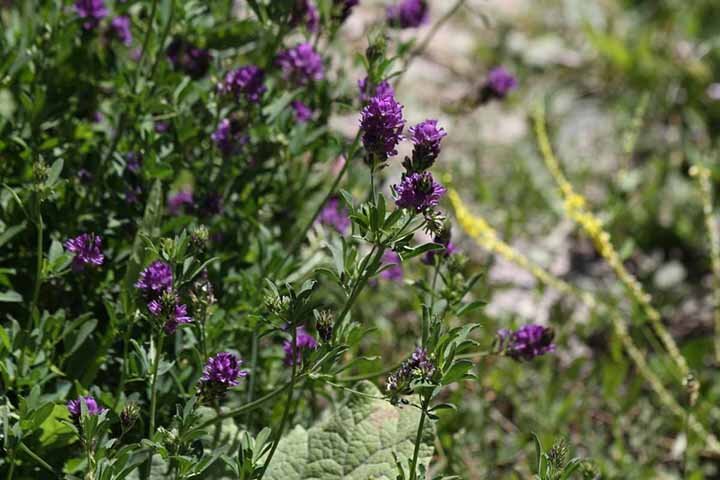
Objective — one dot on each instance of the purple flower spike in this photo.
(247, 81)
(303, 341)
(381, 90)
(303, 113)
(526, 343)
(121, 29)
(223, 368)
(382, 124)
(334, 215)
(427, 137)
(87, 249)
(301, 64)
(408, 14)
(155, 279)
(395, 272)
(91, 11)
(419, 192)
(177, 317)
(91, 405)
(499, 83)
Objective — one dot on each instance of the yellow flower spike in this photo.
(486, 237)
(702, 174)
(576, 208)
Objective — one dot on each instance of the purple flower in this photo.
(87, 249)
(85, 176)
(382, 124)
(178, 316)
(161, 127)
(179, 200)
(155, 279)
(427, 137)
(408, 14)
(121, 29)
(382, 89)
(394, 272)
(527, 342)
(188, 58)
(416, 368)
(303, 113)
(133, 162)
(91, 405)
(220, 373)
(334, 215)
(418, 191)
(132, 194)
(228, 136)
(247, 80)
(97, 117)
(344, 8)
(305, 10)
(301, 64)
(303, 341)
(223, 368)
(91, 11)
(498, 84)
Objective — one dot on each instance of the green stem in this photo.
(348, 159)
(253, 369)
(12, 464)
(153, 384)
(418, 438)
(288, 403)
(38, 265)
(428, 38)
(37, 458)
(360, 283)
(247, 407)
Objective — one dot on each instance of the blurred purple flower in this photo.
(301, 64)
(333, 214)
(393, 273)
(161, 127)
(344, 8)
(91, 11)
(408, 14)
(303, 341)
(132, 194)
(91, 405)
(179, 200)
(85, 176)
(188, 58)
(527, 342)
(418, 191)
(87, 248)
(211, 204)
(133, 162)
(228, 137)
(303, 113)
(498, 84)
(121, 29)
(306, 11)
(178, 316)
(247, 80)
(382, 123)
(382, 89)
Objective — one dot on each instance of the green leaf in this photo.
(10, 296)
(233, 35)
(9, 233)
(54, 173)
(356, 443)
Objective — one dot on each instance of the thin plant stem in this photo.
(418, 438)
(288, 403)
(426, 41)
(12, 464)
(331, 191)
(153, 384)
(248, 406)
(253, 369)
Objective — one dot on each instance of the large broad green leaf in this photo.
(356, 443)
